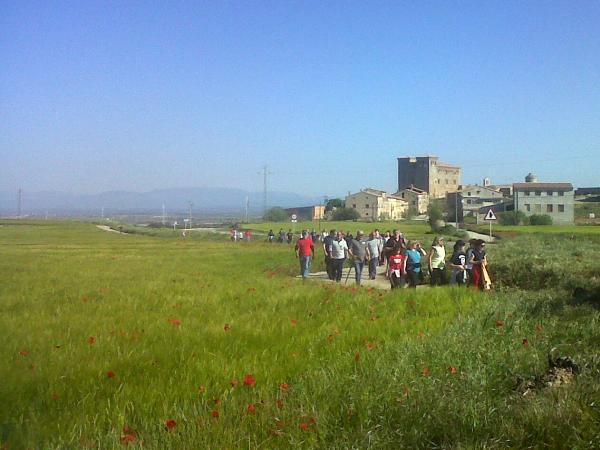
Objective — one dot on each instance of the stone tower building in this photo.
(429, 174)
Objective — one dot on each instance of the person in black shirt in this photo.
(458, 264)
(327, 249)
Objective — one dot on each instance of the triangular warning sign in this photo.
(490, 215)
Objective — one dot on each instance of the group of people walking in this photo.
(403, 260)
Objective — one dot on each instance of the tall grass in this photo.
(103, 331)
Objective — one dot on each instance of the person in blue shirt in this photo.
(414, 255)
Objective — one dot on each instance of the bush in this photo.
(276, 214)
(346, 214)
(435, 216)
(334, 203)
(540, 219)
(513, 218)
(410, 212)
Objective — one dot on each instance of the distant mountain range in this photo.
(204, 199)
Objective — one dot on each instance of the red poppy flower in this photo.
(426, 371)
(227, 327)
(129, 436)
(357, 357)
(303, 426)
(217, 401)
(249, 380)
(371, 345)
(452, 370)
(421, 334)
(175, 322)
(215, 413)
(110, 374)
(91, 340)
(234, 383)
(294, 322)
(499, 323)
(170, 424)
(313, 421)
(284, 386)
(280, 404)
(525, 342)
(23, 353)
(251, 408)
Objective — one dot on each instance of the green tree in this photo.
(276, 214)
(334, 203)
(346, 214)
(513, 218)
(435, 215)
(411, 212)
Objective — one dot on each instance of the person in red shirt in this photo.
(305, 250)
(397, 267)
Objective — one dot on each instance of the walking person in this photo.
(358, 251)
(414, 254)
(281, 238)
(339, 253)
(478, 261)
(270, 236)
(327, 241)
(397, 267)
(469, 265)
(458, 264)
(437, 261)
(290, 236)
(305, 250)
(373, 253)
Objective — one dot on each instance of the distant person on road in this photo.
(458, 264)
(339, 253)
(414, 254)
(358, 251)
(234, 235)
(281, 238)
(373, 253)
(437, 261)
(305, 250)
(327, 242)
(290, 236)
(248, 235)
(397, 267)
(270, 236)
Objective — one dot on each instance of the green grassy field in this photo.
(112, 340)
(543, 229)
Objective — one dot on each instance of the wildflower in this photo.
(249, 380)
(525, 342)
(294, 322)
(170, 424)
(357, 357)
(227, 327)
(426, 371)
(499, 323)
(280, 403)
(452, 370)
(303, 426)
(284, 386)
(91, 340)
(175, 322)
(110, 374)
(23, 353)
(234, 383)
(371, 345)
(313, 421)
(251, 408)
(217, 401)
(128, 436)
(215, 413)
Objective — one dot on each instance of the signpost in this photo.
(294, 220)
(490, 216)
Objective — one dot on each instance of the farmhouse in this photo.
(554, 199)
(417, 198)
(377, 205)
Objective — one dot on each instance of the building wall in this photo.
(547, 204)
(419, 201)
(428, 174)
(375, 207)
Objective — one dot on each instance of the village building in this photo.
(373, 204)
(469, 199)
(316, 212)
(416, 198)
(428, 174)
(556, 200)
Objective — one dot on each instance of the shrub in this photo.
(513, 218)
(276, 214)
(435, 216)
(540, 219)
(346, 214)
(410, 212)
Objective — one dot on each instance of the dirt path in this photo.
(107, 228)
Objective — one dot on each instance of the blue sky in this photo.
(98, 96)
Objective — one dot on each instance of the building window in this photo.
(561, 194)
(550, 193)
(549, 208)
(468, 201)
(527, 193)
(527, 207)
(478, 192)
(538, 208)
(354, 205)
(538, 193)
(469, 194)
(366, 206)
(561, 208)
(366, 214)
(403, 195)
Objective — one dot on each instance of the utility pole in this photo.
(19, 202)
(247, 203)
(164, 217)
(102, 214)
(191, 205)
(265, 174)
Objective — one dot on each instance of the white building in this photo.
(373, 204)
(416, 198)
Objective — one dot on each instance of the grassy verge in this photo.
(112, 340)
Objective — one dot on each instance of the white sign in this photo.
(490, 215)
(294, 216)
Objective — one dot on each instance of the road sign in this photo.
(490, 215)
(294, 216)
